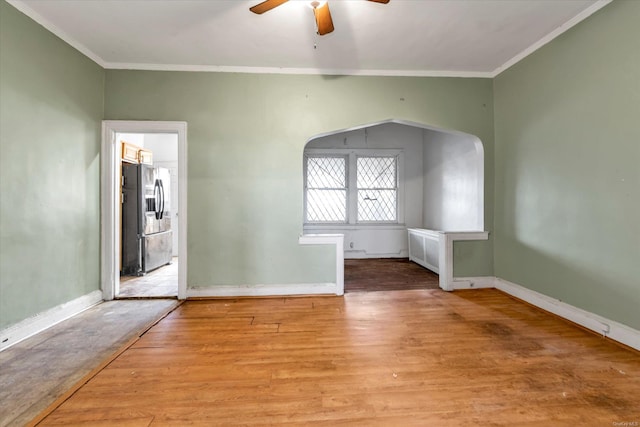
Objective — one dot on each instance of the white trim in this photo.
(384, 122)
(476, 142)
(351, 157)
(445, 258)
(329, 239)
(46, 319)
(421, 258)
(552, 35)
(110, 221)
(297, 71)
(608, 328)
(362, 226)
(479, 282)
(48, 25)
(27, 10)
(110, 238)
(262, 290)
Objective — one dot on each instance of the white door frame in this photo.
(111, 153)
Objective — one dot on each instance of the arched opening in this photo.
(375, 182)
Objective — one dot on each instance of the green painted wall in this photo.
(246, 134)
(567, 158)
(567, 220)
(51, 106)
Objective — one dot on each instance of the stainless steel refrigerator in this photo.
(146, 219)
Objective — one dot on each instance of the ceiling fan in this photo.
(324, 23)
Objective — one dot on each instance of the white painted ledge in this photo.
(445, 258)
(330, 239)
(41, 321)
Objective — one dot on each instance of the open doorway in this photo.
(144, 209)
(149, 219)
(375, 183)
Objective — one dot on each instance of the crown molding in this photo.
(48, 25)
(552, 35)
(292, 70)
(27, 10)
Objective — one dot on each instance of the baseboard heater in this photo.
(424, 248)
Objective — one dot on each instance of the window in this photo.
(326, 189)
(359, 186)
(377, 189)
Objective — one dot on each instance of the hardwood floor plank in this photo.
(417, 357)
(386, 274)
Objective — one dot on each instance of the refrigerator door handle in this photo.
(157, 196)
(161, 199)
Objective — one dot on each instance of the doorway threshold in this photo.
(159, 283)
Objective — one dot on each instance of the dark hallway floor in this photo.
(386, 274)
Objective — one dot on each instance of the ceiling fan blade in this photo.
(266, 6)
(380, 1)
(323, 18)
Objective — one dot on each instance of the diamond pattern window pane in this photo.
(326, 172)
(377, 205)
(326, 205)
(377, 189)
(376, 172)
(326, 189)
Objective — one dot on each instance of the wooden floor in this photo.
(160, 283)
(386, 274)
(394, 358)
(35, 372)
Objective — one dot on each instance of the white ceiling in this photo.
(404, 37)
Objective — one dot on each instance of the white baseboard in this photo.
(609, 328)
(263, 290)
(481, 282)
(350, 254)
(46, 319)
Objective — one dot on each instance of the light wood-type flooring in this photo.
(35, 372)
(391, 358)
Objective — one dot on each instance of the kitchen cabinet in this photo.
(130, 152)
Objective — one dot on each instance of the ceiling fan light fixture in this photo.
(321, 12)
(316, 4)
(324, 23)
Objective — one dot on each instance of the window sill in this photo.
(320, 227)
